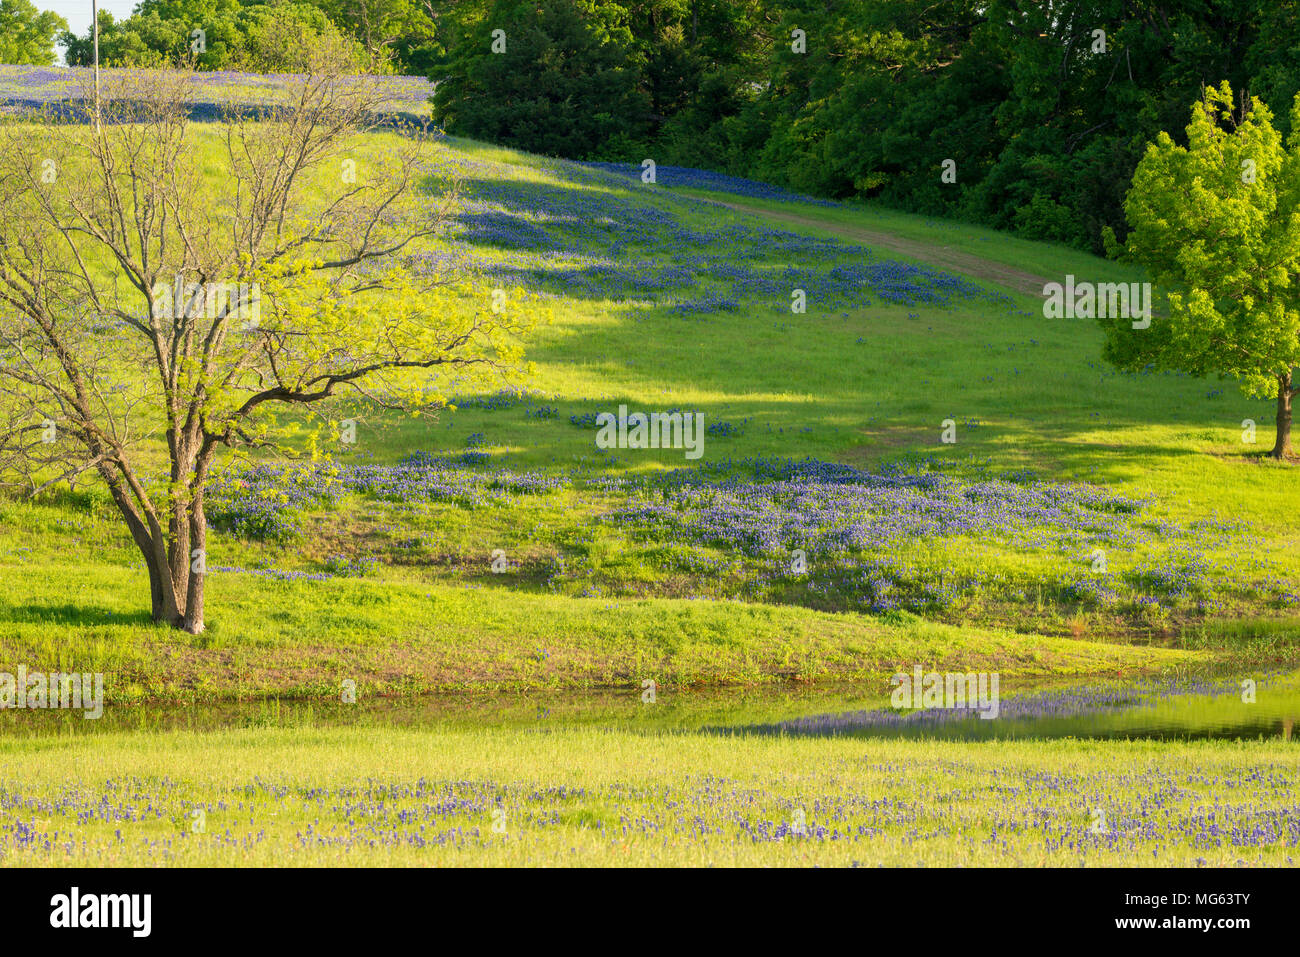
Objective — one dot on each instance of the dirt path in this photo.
(944, 257)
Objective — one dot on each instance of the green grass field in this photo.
(398, 593)
(347, 797)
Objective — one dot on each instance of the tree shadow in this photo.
(71, 615)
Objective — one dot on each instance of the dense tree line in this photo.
(1043, 107)
(261, 35)
(217, 34)
(1026, 115)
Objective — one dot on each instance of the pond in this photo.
(1200, 705)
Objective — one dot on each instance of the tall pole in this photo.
(94, 15)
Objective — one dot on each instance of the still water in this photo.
(1191, 706)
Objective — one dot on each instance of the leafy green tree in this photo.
(27, 34)
(1217, 224)
(161, 32)
(1045, 108)
(564, 82)
(283, 37)
(275, 37)
(118, 46)
(169, 288)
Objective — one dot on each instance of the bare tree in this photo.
(165, 286)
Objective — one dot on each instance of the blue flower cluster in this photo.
(627, 243)
(344, 567)
(489, 403)
(266, 501)
(278, 574)
(1178, 576)
(857, 523)
(726, 430)
(262, 502)
(828, 509)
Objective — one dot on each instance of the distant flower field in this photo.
(26, 87)
(688, 178)
(588, 231)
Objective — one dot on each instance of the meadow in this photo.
(402, 797)
(1081, 522)
(24, 88)
(1163, 772)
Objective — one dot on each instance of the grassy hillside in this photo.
(1083, 519)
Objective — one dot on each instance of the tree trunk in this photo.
(176, 574)
(179, 603)
(178, 556)
(161, 593)
(198, 543)
(149, 539)
(1282, 447)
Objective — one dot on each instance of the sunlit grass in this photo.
(286, 797)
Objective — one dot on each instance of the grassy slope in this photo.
(1049, 260)
(856, 385)
(306, 637)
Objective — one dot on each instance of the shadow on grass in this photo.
(72, 615)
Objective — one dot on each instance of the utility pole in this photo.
(94, 15)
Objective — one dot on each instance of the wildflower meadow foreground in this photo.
(417, 797)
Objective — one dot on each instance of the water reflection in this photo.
(1184, 708)
(1187, 707)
